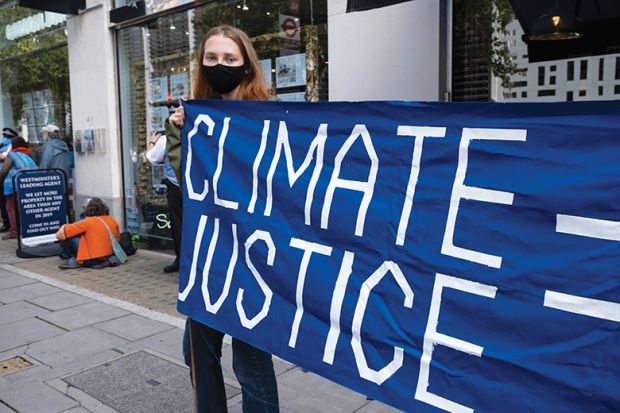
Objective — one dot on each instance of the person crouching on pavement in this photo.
(87, 242)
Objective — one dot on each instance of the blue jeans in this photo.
(70, 247)
(70, 250)
(253, 369)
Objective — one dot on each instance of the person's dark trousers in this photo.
(253, 369)
(175, 207)
(70, 247)
(3, 213)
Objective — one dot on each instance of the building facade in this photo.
(128, 61)
(585, 78)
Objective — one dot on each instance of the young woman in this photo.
(227, 68)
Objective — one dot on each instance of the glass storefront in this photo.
(34, 73)
(155, 60)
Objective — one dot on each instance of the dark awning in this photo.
(56, 6)
(596, 20)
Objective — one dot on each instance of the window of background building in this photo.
(600, 90)
(569, 96)
(617, 67)
(552, 80)
(601, 68)
(155, 65)
(583, 69)
(34, 73)
(582, 93)
(541, 75)
(570, 70)
(552, 68)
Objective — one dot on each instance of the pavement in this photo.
(109, 340)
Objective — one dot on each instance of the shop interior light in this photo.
(245, 6)
(559, 23)
(172, 26)
(268, 14)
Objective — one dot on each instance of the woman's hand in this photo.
(60, 235)
(155, 137)
(178, 117)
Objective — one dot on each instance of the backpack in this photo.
(127, 243)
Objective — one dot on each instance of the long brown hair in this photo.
(252, 86)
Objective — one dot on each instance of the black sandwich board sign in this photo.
(41, 209)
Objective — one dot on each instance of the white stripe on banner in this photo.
(588, 227)
(584, 306)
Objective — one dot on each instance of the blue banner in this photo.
(436, 257)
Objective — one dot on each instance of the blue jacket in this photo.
(56, 155)
(20, 161)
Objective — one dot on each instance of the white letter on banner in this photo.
(192, 272)
(460, 190)
(334, 313)
(214, 307)
(245, 321)
(257, 161)
(218, 169)
(188, 166)
(377, 376)
(308, 248)
(317, 145)
(420, 132)
(367, 187)
(432, 337)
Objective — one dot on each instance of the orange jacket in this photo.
(95, 240)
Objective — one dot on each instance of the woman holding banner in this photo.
(227, 68)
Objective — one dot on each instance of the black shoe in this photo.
(174, 267)
(5, 228)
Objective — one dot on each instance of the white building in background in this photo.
(585, 78)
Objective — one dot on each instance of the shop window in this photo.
(34, 73)
(155, 65)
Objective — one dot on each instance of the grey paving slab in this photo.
(308, 393)
(36, 397)
(35, 373)
(77, 410)
(133, 327)
(24, 292)
(377, 407)
(84, 315)
(73, 346)
(139, 383)
(5, 409)
(60, 301)
(19, 311)
(169, 343)
(12, 280)
(24, 332)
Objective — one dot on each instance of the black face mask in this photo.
(224, 78)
